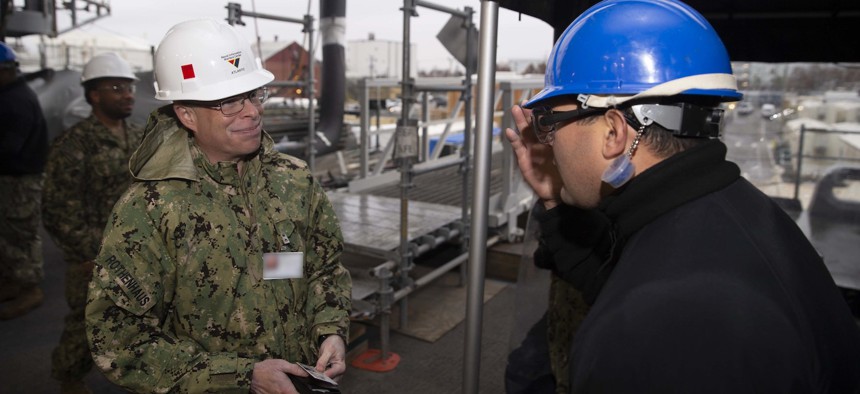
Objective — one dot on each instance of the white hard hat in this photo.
(205, 60)
(107, 65)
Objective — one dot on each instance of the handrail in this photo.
(800, 155)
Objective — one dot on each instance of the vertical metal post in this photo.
(511, 176)
(425, 131)
(364, 127)
(385, 295)
(152, 56)
(74, 12)
(309, 28)
(466, 153)
(378, 121)
(799, 162)
(43, 56)
(405, 164)
(480, 200)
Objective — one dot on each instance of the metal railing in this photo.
(800, 155)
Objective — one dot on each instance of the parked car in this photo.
(745, 108)
(768, 110)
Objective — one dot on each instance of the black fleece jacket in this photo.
(700, 284)
(23, 131)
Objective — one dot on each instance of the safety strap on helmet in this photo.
(682, 119)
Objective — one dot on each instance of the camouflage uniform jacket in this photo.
(87, 172)
(178, 301)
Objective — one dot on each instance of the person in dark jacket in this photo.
(696, 281)
(23, 149)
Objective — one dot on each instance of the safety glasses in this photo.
(545, 121)
(120, 88)
(233, 105)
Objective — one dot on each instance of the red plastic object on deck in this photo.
(372, 360)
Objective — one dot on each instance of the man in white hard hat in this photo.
(220, 267)
(87, 172)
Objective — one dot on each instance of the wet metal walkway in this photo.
(371, 224)
(370, 219)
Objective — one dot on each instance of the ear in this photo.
(93, 96)
(615, 138)
(187, 116)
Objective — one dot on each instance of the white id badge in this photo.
(283, 265)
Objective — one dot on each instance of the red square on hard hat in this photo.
(187, 71)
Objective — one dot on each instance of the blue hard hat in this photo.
(625, 47)
(6, 53)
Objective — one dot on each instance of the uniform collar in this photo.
(168, 151)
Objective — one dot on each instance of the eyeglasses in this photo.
(544, 120)
(121, 88)
(233, 105)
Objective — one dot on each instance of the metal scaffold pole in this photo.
(309, 29)
(480, 198)
(466, 153)
(406, 151)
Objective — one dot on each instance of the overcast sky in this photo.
(520, 37)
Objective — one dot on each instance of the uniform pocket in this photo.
(286, 228)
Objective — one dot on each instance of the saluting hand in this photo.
(535, 159)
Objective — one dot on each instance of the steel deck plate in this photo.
(373, 222)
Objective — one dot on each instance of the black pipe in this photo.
(333, 79)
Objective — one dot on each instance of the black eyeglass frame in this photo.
(241, 98)
(545, 119)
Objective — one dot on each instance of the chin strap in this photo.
(621, 170)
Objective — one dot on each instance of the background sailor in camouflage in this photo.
(540, 364)
(23, 146)
(565, 313)
(20, 241)
(87, 172)
(179, 301)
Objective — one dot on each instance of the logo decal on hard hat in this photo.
(234, 61)
(187, 71)
(233, 58)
